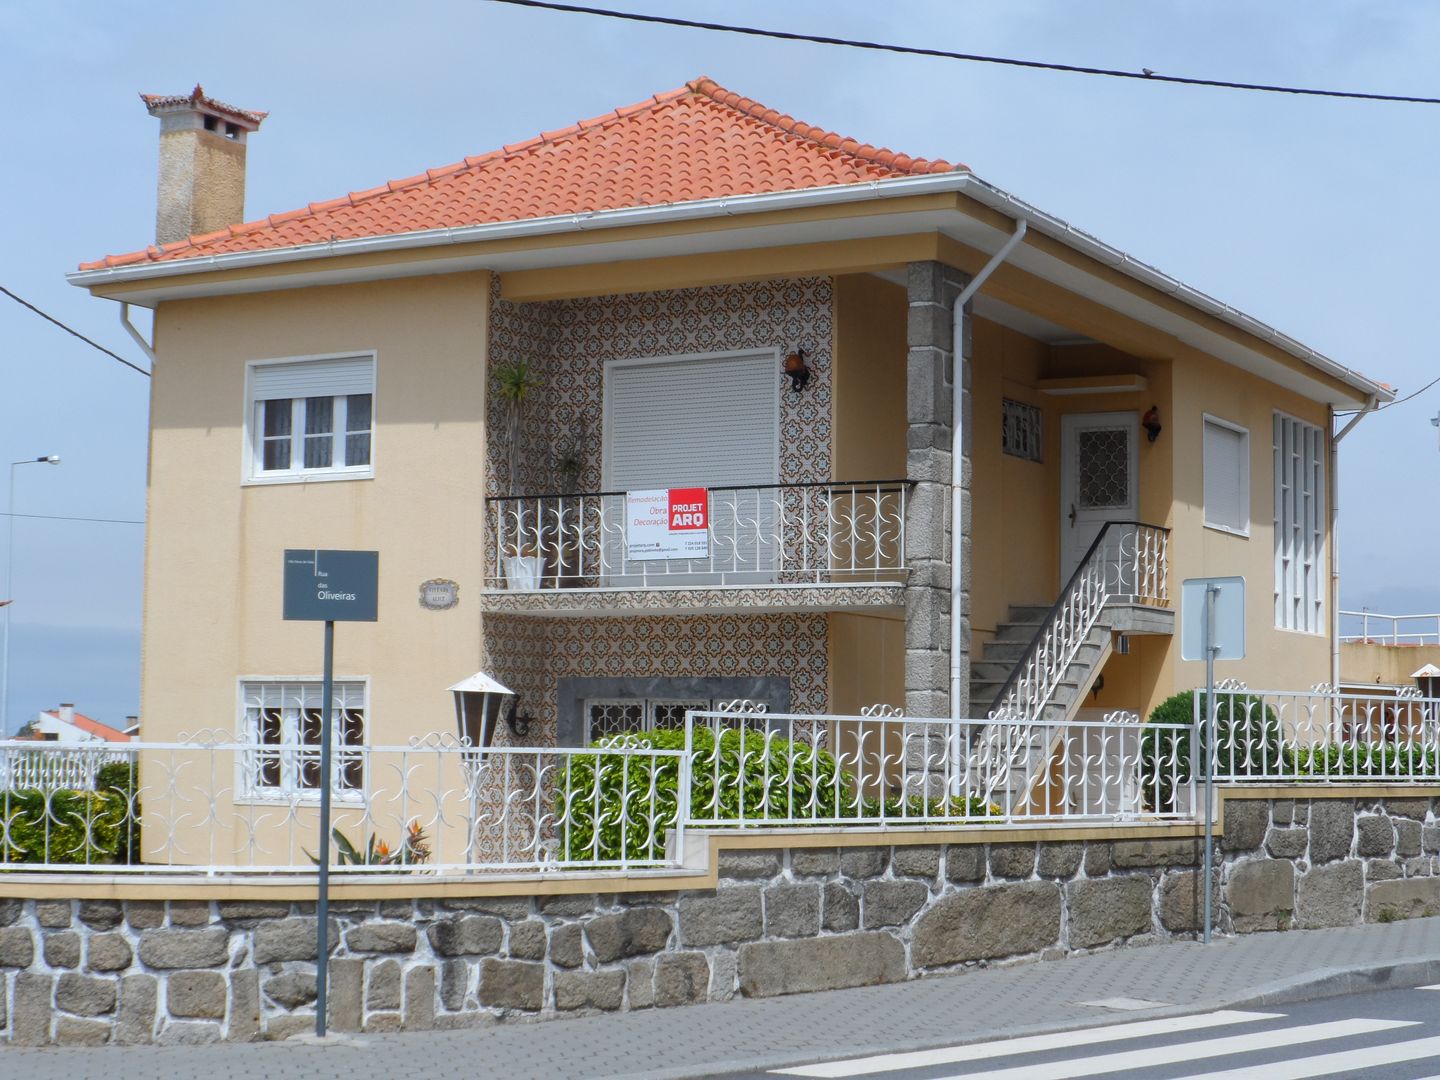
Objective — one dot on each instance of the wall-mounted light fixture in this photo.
(796, 370)
(1151, 423)
(479, 702)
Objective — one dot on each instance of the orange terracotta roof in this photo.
(699, 142)
(93, 727)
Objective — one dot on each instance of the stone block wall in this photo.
(88, 972)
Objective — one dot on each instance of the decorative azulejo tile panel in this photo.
(570, 341)
(529, 655)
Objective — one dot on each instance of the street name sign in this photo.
(331, 586)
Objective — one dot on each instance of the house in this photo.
(742, 437)
(64, 725)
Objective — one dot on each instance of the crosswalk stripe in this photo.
(1330, 1064)
(1028, 1044)
(1174, 1053)
(1432, 986)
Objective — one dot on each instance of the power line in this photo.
(70, 330)
(1144, 74)
(1397, 401)
(63, 517)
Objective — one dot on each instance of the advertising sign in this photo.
(668, 523)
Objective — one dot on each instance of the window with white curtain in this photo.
(1299, 450)
(311, 419)
(281, 724)
(1226, 466)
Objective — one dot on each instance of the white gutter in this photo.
(1370, 406)
(962, 182)
(130, 329)
(959, 693)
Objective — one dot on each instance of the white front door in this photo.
(1099, 480)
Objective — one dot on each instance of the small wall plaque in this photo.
(439, 594)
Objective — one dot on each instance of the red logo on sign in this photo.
(689, 509)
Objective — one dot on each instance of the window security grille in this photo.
(282, 723)
(1022, 430)
(1299, 454)
(628, 716)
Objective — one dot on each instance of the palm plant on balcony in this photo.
(515, 380)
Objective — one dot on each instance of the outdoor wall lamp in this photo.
(796, 370)
(1151, 423)
(479, 701)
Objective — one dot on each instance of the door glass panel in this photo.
(1104, 469)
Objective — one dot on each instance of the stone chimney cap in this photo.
(156, 104)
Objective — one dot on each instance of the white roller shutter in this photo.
(313, 378)
(1227, 477)
(709, 422)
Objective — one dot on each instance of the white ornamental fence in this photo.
(437, 806)
(795, 534)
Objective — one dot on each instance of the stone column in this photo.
(930, 370)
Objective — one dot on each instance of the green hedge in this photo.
(618, 797)
(1343, 760)
(74, 827)
(1247, 733)
(86, 827)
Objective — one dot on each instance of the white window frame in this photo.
(249, 792)
(1244, 433)
(252, 474)
(1301, 580)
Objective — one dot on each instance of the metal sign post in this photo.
(329, 587)
(1212, 627)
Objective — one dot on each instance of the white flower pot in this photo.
(523, 572)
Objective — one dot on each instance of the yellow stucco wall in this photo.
(1275, 659)
(213, 553)
(1388, 665)
(868, 392)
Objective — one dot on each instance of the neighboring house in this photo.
(669, 272)
(65, 725)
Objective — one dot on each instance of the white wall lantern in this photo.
(479, 703)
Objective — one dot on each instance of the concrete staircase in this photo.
(1004, 651)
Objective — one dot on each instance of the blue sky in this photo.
(1316, 216)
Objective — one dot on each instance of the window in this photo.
(1226, 466)
(281, 724)
(626, 716)
(1021, 430)
(311, 419)
(1299, 525)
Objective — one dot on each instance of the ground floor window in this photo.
(626, 716)
(281, 726)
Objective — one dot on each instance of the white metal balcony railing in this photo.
(1374, 628)
(783, 534)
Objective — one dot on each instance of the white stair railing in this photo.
(1128, 562)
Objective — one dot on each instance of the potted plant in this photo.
(514, 381)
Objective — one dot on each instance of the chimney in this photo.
(202, 163)
(67, 712)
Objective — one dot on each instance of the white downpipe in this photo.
(1370, 406)
(134, 333)
(958, 523)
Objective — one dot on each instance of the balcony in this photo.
(830, 546)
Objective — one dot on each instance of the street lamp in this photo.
(44, 459)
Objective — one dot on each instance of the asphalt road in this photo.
(1390, 1035)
